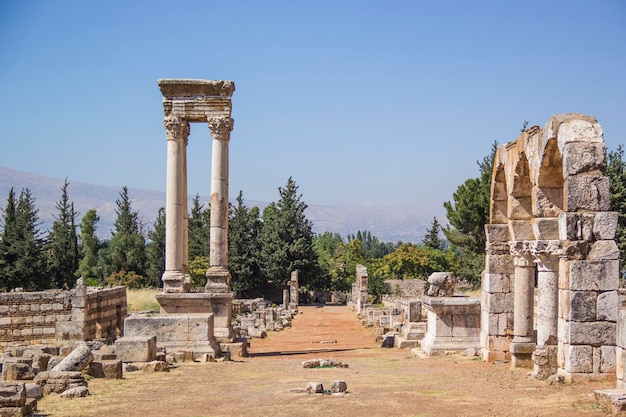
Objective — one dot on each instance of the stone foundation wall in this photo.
(409, 288)
(48, 317)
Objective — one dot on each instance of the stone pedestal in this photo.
(218, 304)
(453, 324)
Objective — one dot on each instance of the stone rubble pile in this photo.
(256, 317)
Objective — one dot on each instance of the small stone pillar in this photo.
(545, 355)
(294, 290)
(285, 297)
(362, 281)
(523, 345)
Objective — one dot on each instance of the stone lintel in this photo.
(452, 305)
(196, 100)
(189, 88)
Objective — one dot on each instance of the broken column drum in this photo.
(184, 102)
(550, 221)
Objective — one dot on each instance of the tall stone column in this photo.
(173, 278)
(218, 276)
(546, 254)
(187, 277)
(522, 345)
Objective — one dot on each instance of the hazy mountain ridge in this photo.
(388, 223)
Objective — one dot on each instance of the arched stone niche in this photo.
(549, 218)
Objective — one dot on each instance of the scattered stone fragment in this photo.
(77, 360)
(315, 388)
(33, 390)
(612, 400)
(59, 381)
(339, 386)
(111, 369)
(156, 366)
(17, 372)
(75, 392)
(556, 380)
(325, 363)
(12, 394)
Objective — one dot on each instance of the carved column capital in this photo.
(175, 128)
(521, 251)
(547, 253)
(221, 127)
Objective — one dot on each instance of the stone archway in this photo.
(556, 221)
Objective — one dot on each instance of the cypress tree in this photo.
(432, 239)
(616, 171)
(198, 227)
(29, 265)
(8, 246)
(89, 245)
(244, 228)
(61, 249)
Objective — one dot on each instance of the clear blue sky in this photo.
(363, 102)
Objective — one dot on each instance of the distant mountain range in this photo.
(387, 223)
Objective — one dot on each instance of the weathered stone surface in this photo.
(579, 359)
(33, 390)
(608, 306)
(75, 392)
(499, 264)
(136, 348)
(592, 333)
(605, 225)
(546, 228)
(497, 233)
(582, 305)
(608, 359)
(12, 394)
(156, 366)
(495, 283)
(17, 372)
(59, 381)
(77, 360)
(315, 388)
(603, 250)
(593, 275)
(442, 284)
(612, 400)
(584, 157)
(339, 386)
(111, 369)
(587, 192)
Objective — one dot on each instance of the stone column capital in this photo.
(521, 251)
(547, 253)
(221, 127)
(175, 128)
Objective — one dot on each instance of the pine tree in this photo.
(126, 253)
(29, 265)
(89, 245)
(244, 228)
(155, 251)
(61, 249)
(287, 239)
(198, 227)
(616, 171)
(8, 246)
(432, 239)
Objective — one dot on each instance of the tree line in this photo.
(263, 248)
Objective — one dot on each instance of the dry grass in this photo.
(142, 300)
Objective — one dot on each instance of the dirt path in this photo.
(381, 382)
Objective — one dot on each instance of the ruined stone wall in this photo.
(409, 288)
(106, 310)
(48, 317)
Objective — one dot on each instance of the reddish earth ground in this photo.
(381, 382)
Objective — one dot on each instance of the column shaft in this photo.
(219, 204)
(523, 300)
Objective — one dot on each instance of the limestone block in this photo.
(239, 348)
(587, 192)
(339, 386)
(621, 328)
(495, 283)
(594, 275)
(546, 228)
(521, 230)
(620, 356)
(315, 388)
(608, 306)
(612, 401)
(600, 333)
(579, 359)
(17, 372)
(77, 360)
(156, 366)
(563, 328)
(499, 303)
(548, 201)
(584, 157)
(575, 127)
(603, 250)
(33, 390)
(497, 233)
(12, 394)
(59, 381)
(465, 325)
(607, 359)
(136, 348)
(605, 225)
(174, 328)
(110, 369)
(414, 311)
(75, 392)
(499, 264)
(582, 306)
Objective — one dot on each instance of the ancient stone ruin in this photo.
(551, 239)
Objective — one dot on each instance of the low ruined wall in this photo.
(105, 314)
(408, 288)
(48, 317)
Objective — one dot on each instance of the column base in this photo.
(218, 280)
(545, 361)
(176, 281)
(521, 354)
